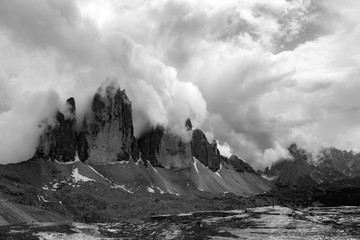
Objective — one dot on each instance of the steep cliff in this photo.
(107, 132)
(239, 165)
(206, 153)
(59, 139)
(165, 149)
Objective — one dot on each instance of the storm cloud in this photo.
(255, 75)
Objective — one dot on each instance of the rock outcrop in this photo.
(59, 139)
(165, 149)
(239, 165)
(174, 152)
(303, 170)
(149, 145)
(206, 153)
(107, 135)
(107, 132)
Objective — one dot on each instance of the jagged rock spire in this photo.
(107, 133)
(59, 141)
(205, 152)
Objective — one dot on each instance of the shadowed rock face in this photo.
(107, 133)
(240, 165)
(149, 145)
(205, 152)
(165, 149)
(59, 141)
(174, 153)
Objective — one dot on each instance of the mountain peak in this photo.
(107, 132)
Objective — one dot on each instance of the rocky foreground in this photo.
(272, 222)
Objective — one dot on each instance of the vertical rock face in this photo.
(174, 153)
(205, 152)
(164, 149)
(135, 151)
(59, 141)
(149, 145)
(107, 133)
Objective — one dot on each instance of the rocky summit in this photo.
(304, 169)
(107, 132)
(101, 172)
(59, 139)
(207, 153)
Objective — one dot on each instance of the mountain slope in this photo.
(82, 192)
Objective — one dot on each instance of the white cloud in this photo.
(224, 149)
(54, 47)
(256, 74)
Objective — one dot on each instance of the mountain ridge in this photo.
(99, 172)
(302, 169)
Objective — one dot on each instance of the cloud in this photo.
(224, 149)
(54, 50)
(256, 75)
(20, 125)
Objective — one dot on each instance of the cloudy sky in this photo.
(256, 75)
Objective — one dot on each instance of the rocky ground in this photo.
(273, 222)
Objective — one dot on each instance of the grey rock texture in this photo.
(174, 153)
(205, 152)
(240, 165)
(59, 141)
(107, 132)
(165, 149)
(303, 170)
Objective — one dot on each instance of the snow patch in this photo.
(194, 163)
(218, 174)
(161, 191)
(150, 190)
(112, 230)
(46, 188)
(173, 193)
(154, 169)
(55, 186)
(64, 163)
(118, 162)
(77, 177)
(102, 176)
(116, 186)
(41, 198)
(184, 214)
